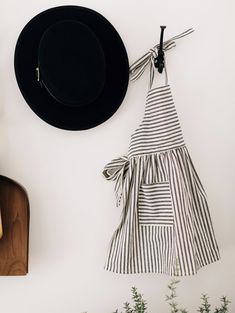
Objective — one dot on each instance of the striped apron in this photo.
(165, 224)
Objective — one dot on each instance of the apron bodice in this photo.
(160, 128)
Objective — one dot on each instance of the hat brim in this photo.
(40, 101)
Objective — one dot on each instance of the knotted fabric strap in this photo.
(139, 66)
(116, 170)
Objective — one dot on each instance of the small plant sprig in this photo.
(140, 305)
(205, 306)
(224, 305)
(171, 298)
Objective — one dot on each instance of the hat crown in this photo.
(71, 63)
(71, 67)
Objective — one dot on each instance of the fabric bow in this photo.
(139, 66)
(116, 170)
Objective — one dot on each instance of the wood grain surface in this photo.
(14, 206)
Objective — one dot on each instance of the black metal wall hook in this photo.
(159, 61)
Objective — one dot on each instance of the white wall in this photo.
(73, 213)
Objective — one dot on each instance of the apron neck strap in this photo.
(139, 66)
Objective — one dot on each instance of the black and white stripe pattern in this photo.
(165, 225)
(160, 128)
(180, 248)
(155, 205)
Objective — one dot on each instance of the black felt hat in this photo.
(72, 67)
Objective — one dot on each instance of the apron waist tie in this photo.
(116, 170)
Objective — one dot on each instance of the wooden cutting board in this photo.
(14, 205)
